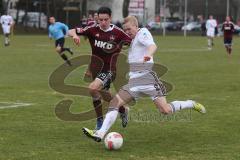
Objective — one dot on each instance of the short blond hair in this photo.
(131, 19)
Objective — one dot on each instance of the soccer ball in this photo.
(113, 141)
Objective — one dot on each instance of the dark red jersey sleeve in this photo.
(82, 31)
(125, 38)
(232, 27)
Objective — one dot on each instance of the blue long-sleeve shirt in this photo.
(57, 30)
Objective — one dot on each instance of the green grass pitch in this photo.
(34, 132)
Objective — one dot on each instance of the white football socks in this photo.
(179, 105)
(209, 43)
(6, 40)
(109, 120)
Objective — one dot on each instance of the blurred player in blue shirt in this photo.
(58, 31)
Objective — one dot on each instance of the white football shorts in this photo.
(6, 29)
(211, 33)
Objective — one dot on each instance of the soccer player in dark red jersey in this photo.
(106, 41)
(84, 21)
(93, 21)
(228, 29)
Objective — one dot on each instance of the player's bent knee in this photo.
(93, 89)
(165, 109)
(116, 101)
(58, 50)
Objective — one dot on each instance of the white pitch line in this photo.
(13, 105)
(185, 50)
(42, 45)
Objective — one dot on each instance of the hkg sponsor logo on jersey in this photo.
(104, 45)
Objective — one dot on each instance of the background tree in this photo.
(1, 7)
(173, 6)
(125, 7)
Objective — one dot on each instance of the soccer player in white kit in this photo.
(211, 24)
(6, 22)
(143, 81)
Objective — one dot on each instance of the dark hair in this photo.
(105, 10)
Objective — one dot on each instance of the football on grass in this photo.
(113, 141)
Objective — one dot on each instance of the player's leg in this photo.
(68, 50)
(88, 75)
(64, 57)
(210, 42)
(59, 49)
(210, 35)
(225, 41)
(98, 89)
(122, 97)
(6, 32)
(123, 110)
(168, 108)
(208, 39)
(163, 106)
(230, 49)
(225, 44)
(6, 39)
(65, 48)
(94, 88)
(229, 46)
(158, 93)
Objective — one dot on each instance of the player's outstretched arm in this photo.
(150, 51)
(49, 33)
(72, 33)
(12, 25)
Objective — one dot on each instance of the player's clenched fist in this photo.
(76, 40)
(146, 58)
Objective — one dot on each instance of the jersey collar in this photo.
(107, 30)
(139, 29)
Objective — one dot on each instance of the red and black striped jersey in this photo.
(105, 44)
(228, 29)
